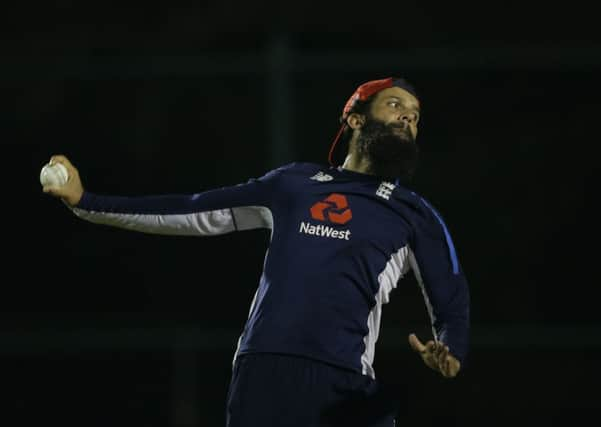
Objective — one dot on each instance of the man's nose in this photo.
(408, 117)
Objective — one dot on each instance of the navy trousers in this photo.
(273, 390)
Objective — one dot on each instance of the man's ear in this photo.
(355, 121)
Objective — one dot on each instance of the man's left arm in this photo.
(444, 286)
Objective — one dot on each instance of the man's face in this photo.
(388, 134)
(396, 106)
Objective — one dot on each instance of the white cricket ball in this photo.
(54, 175)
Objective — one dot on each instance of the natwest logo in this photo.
(324, 231)
(333, 208)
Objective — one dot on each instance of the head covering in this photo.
(362, 93)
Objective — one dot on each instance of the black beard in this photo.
(391, 154)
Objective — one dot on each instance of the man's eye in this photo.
(394, 104)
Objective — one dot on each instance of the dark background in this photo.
(109, 327)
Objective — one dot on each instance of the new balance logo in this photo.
(385, 190)
(322, 177)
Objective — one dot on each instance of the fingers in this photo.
(416, 344)
(436, 355)
(448, 369)
(447, 364)
(431, 347)
(441, 352)
(444, 366)
(59, 158)
(440, 356)
(54, 191)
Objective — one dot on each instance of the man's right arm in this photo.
(240, 207)
(210, 213)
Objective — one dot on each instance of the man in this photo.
(341, 239)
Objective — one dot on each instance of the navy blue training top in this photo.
(340, 242)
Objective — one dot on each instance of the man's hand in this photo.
(72, 191)
(436, 355)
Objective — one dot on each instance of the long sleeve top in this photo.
(340, 241)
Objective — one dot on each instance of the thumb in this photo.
(416, 344)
